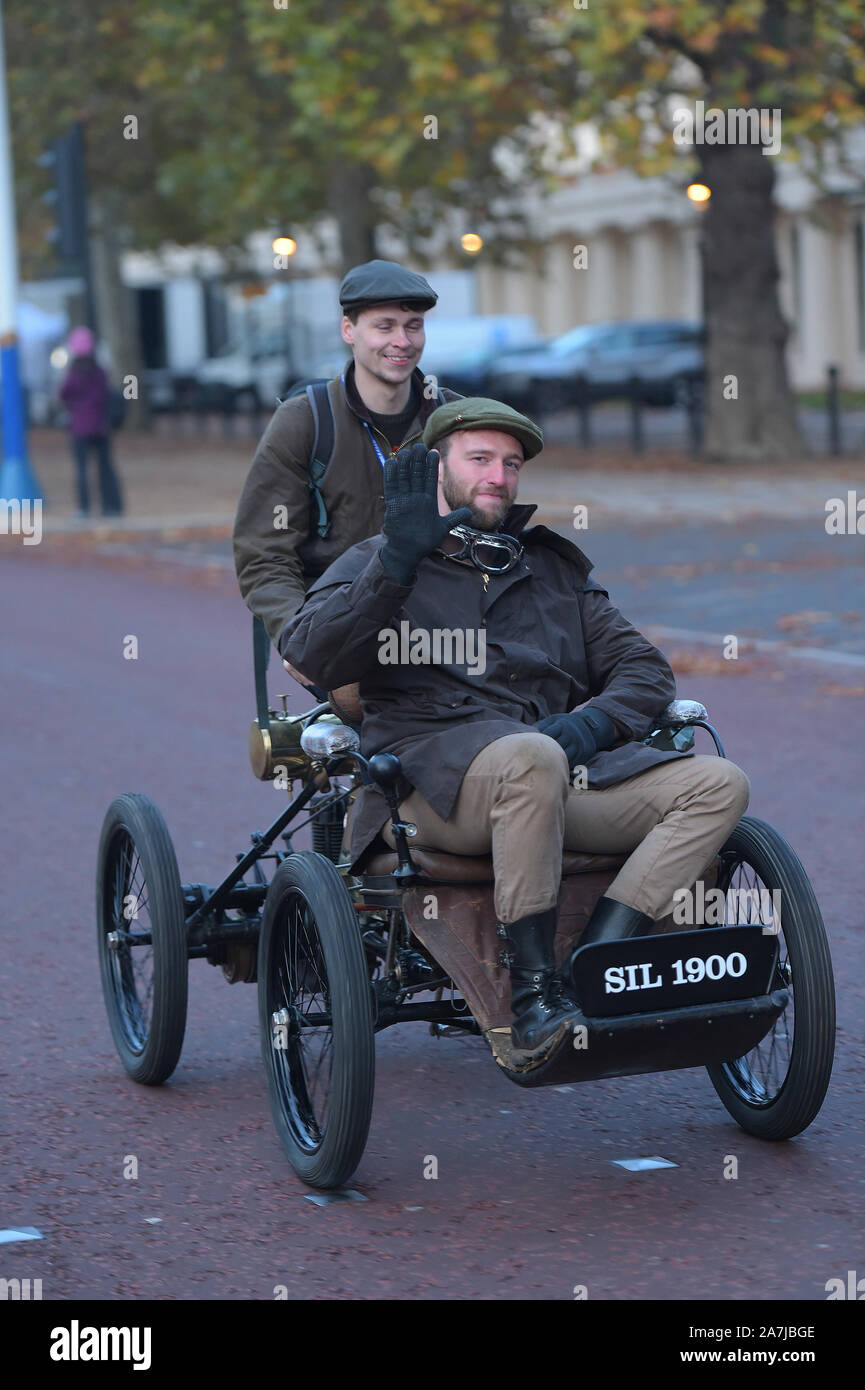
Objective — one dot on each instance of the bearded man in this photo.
(487, 755)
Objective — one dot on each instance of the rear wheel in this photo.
(142, 938)
(776, 1090)
(315, 1015)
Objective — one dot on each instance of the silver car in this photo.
(662, 361)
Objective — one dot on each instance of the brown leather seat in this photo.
(464, 868)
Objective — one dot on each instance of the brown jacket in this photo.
(552, 641)
(277, 553)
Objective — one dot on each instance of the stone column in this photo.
(601, 276)
(818, 339)
(564, 287)
(648, 287)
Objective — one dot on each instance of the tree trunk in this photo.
(355, 213)
(754, 417)
(116, 307)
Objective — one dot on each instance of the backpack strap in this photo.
(322, 448)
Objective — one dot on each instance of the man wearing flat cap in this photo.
(487, 748)
(292, 521)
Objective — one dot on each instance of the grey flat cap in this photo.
(384, 282)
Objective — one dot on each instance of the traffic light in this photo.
(68, 196)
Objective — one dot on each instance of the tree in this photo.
(398, 115)
(804, 59)
(385, 114)
(248, 115)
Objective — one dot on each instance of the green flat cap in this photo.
(384, 282)
(480, 413)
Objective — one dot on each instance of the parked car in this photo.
(601, 361)
(163, 390)
(459, 352)
(245, 377)
(321, 368)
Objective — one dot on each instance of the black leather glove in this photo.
(582, 735)
(413, 526)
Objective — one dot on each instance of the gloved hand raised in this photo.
(582, 735)
(413, 526)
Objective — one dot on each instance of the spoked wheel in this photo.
(315, 1013)
(142, 938)
(776, 1090)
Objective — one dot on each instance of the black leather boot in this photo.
(612, 921)
(538, 1002)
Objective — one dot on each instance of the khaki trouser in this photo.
(516, 801)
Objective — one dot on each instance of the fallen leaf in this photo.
(802, 619)
(686, 663)
(833, 688)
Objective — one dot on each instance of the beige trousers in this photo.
(517, 802)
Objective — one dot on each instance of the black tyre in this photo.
(315, 1015)
(142, 938)
(778, 1088)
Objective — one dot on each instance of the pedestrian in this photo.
(85, 392)
(489, 732)
(291, 522)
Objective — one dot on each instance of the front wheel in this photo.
(315, 1016)
(776, 1090)
(142, 938)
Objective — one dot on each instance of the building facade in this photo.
(641, 261)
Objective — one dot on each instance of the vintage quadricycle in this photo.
(338, 956)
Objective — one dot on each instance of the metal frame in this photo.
(209, 928)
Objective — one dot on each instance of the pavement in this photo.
(194, 479)
(695, 552)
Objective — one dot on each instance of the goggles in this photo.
(491, 551)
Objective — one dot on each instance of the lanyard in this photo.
(379, 452)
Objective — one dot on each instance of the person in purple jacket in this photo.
(84, 392)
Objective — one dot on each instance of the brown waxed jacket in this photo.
(551, 641)
(277, 555)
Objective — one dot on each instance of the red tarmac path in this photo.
(526, 1204)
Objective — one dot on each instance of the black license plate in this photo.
(645, 974)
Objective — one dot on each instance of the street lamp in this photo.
(699, 194)
(283, 248)
(471, 243)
